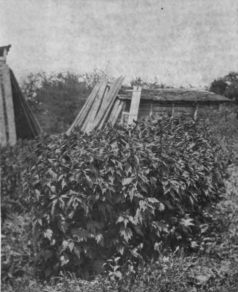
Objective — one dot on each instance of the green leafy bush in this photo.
(119, 194)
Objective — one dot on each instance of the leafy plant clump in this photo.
(119, 195)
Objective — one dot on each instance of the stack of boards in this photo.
(101, 107)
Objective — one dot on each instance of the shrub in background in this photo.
(227, 86)
(57, 98)
(120, 194)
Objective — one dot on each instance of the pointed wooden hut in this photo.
(16, 118)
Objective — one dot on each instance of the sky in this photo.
(179, 42)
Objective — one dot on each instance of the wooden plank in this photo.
(105, 117)
(106, 107)
(3, 131)
(84, 110)
(103, 104)
(92, 125)
(9, 107)
(135, 103)
(114, 110)
(88, 105)
(95, 107)
(117, 114)
(107, 114)
(120, 118)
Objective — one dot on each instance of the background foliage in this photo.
(57, 98)
(227, 86)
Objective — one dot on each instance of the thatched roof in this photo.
(175, 95)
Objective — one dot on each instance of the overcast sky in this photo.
(180, 42)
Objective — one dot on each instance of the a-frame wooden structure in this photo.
(16, 118)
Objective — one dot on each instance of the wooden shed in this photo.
(16, 118)
(116, 104)
(193, 103)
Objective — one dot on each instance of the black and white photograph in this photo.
(119, 145)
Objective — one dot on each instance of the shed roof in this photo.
(175, 95)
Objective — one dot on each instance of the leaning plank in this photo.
(3, 131)
(114, 110)
(135, 103)
(106, 102)
(84, 111)
(105, 111)
(120, 121)
(117, 114)
(92, 126)
(9, 106)
(87, 106)
(103, 119)
(95, 107)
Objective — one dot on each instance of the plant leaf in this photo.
(127, 181)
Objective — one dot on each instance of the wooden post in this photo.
(195, 113)
(151, 109)
(172, 113)
(135, 103)
(9, 106)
